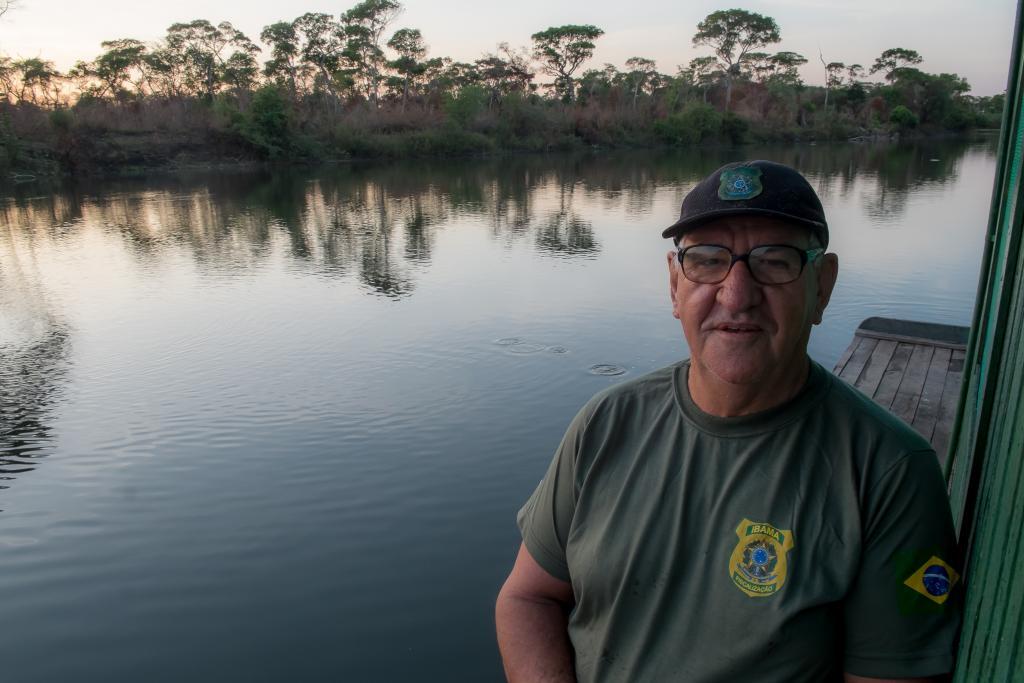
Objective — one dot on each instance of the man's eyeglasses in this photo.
(769, 264)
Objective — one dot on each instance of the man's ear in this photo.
(828, 271)
(673, 281)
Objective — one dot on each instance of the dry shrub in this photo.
(165, 115)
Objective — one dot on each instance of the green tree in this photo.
(733, 34)
(8, 77)
(943, 100)
(502, 73)
(705, 73)
(778, 69)
(266, 124)
(240, 70)
(994, 104)
(434, 75)
(284, 66)
(785, 67)
(408, 43)
(756, 65)
(452, 77)
(164, 73)
(833, 77)
(894, 62)
(562, 50)
(903, 117)
(464, 106)
(595, 85)
(38, 81)
(193, 46)
(855, 93)
(239, 67)
(110, 73)
(697, 123)
(364, 26)
(518, 71)
(779, 73)
(323, 45)
(640, 73)
(988, 109)
(210, 56)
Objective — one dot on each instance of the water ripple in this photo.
(32, 377)
(607, 370)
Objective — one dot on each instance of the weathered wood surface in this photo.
(912, 369)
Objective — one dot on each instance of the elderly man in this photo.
(741, 515)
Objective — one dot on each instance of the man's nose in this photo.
(739, 290)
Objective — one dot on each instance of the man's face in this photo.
(741, 332)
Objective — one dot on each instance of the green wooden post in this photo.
(987, 478)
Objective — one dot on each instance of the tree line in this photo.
(343, 81)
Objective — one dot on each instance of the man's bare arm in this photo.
(531, 618)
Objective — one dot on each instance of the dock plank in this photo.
(893, 375)
(859, 359)
(931, 395)
(845, 358)
(875, 368)
(912, 369)
(948, 406)
(908, 396)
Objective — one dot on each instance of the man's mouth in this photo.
(737, 328)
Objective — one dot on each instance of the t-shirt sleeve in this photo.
(903, 611)
(545, 519)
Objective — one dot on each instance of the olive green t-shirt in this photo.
(788, 545)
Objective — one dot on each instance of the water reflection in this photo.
(33, 359)
(907, 169)
(380, 223)
(564, 233)
(378, 226)
(32, 379)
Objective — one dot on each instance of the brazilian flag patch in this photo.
(743, 182)
(934, 580)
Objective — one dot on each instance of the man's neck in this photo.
(722, 399)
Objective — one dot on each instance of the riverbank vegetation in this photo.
(326, 87)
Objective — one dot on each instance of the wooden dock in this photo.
(911, 369)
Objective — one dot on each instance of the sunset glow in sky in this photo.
(970, 39)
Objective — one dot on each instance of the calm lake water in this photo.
(269, 427)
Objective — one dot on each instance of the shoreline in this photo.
(41, 162)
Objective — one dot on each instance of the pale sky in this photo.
(971, 39)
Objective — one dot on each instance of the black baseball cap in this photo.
(762, 188)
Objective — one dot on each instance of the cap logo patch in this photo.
(739, 183)
(933, 580)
